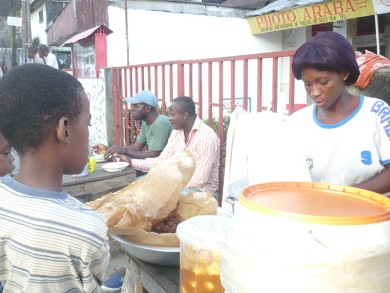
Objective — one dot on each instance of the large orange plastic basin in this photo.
(317, 203)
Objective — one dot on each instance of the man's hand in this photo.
(125, 159)
(100, 148)
(115, 150)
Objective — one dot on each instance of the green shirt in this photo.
(156, 134)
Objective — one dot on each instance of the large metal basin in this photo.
(166, 256)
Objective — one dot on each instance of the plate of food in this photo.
(115, 166)
(100, 158)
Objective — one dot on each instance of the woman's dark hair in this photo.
(327, 51)
(33, 98)
(186, 104)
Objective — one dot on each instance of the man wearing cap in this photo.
(190, 133)
(155, 129)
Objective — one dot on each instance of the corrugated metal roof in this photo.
(87, 33)
(280, 5)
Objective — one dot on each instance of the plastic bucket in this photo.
(200, 243)
(308, 237)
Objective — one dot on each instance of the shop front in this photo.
(367, 21)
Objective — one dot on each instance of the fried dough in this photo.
(149, 199)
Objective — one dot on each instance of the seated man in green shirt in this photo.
(155, 129)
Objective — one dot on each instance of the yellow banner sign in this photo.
(310, 15)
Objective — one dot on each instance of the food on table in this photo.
(169, 224)
(133, 211)
(99, 158)
(149, 199)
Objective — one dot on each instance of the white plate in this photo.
(100, 158)
(115, 166)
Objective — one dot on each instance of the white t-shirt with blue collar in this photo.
(346, 153)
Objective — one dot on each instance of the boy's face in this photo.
(42, 53)
(31, 54)
(6, 158)
(78, 135)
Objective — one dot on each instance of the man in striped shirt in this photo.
(190, 133)
(49, 241)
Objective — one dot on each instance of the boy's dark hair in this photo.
(33, 49)
(33, 98)
(186, 104)
(43, 47)
(327, 51)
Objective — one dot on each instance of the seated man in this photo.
(155, 129)
(194, 135)
(197, 137)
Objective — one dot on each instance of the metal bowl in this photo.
(166, 256)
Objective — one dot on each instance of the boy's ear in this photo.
(62, 130)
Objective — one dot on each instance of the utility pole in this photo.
(26, 30)
(15, 10)
(13, 34)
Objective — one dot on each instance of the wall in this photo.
(38, 29)
(96, 93)
(156, 36)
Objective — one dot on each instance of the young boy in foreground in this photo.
(49, 241)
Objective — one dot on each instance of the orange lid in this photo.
(317, 203)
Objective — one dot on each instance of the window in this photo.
(324, 27)
(366, 25)
(41, 16)
(84, 57)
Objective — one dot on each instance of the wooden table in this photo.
(98, 183)
(141, 276)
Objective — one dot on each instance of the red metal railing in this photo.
(217, 85)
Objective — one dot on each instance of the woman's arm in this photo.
(380, 183)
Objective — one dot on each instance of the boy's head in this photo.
(43, 50)
(42, 106)
(32, 51)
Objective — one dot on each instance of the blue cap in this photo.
(146, 97)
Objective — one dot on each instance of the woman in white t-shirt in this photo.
(345, 138)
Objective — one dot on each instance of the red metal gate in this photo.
(216, 85)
